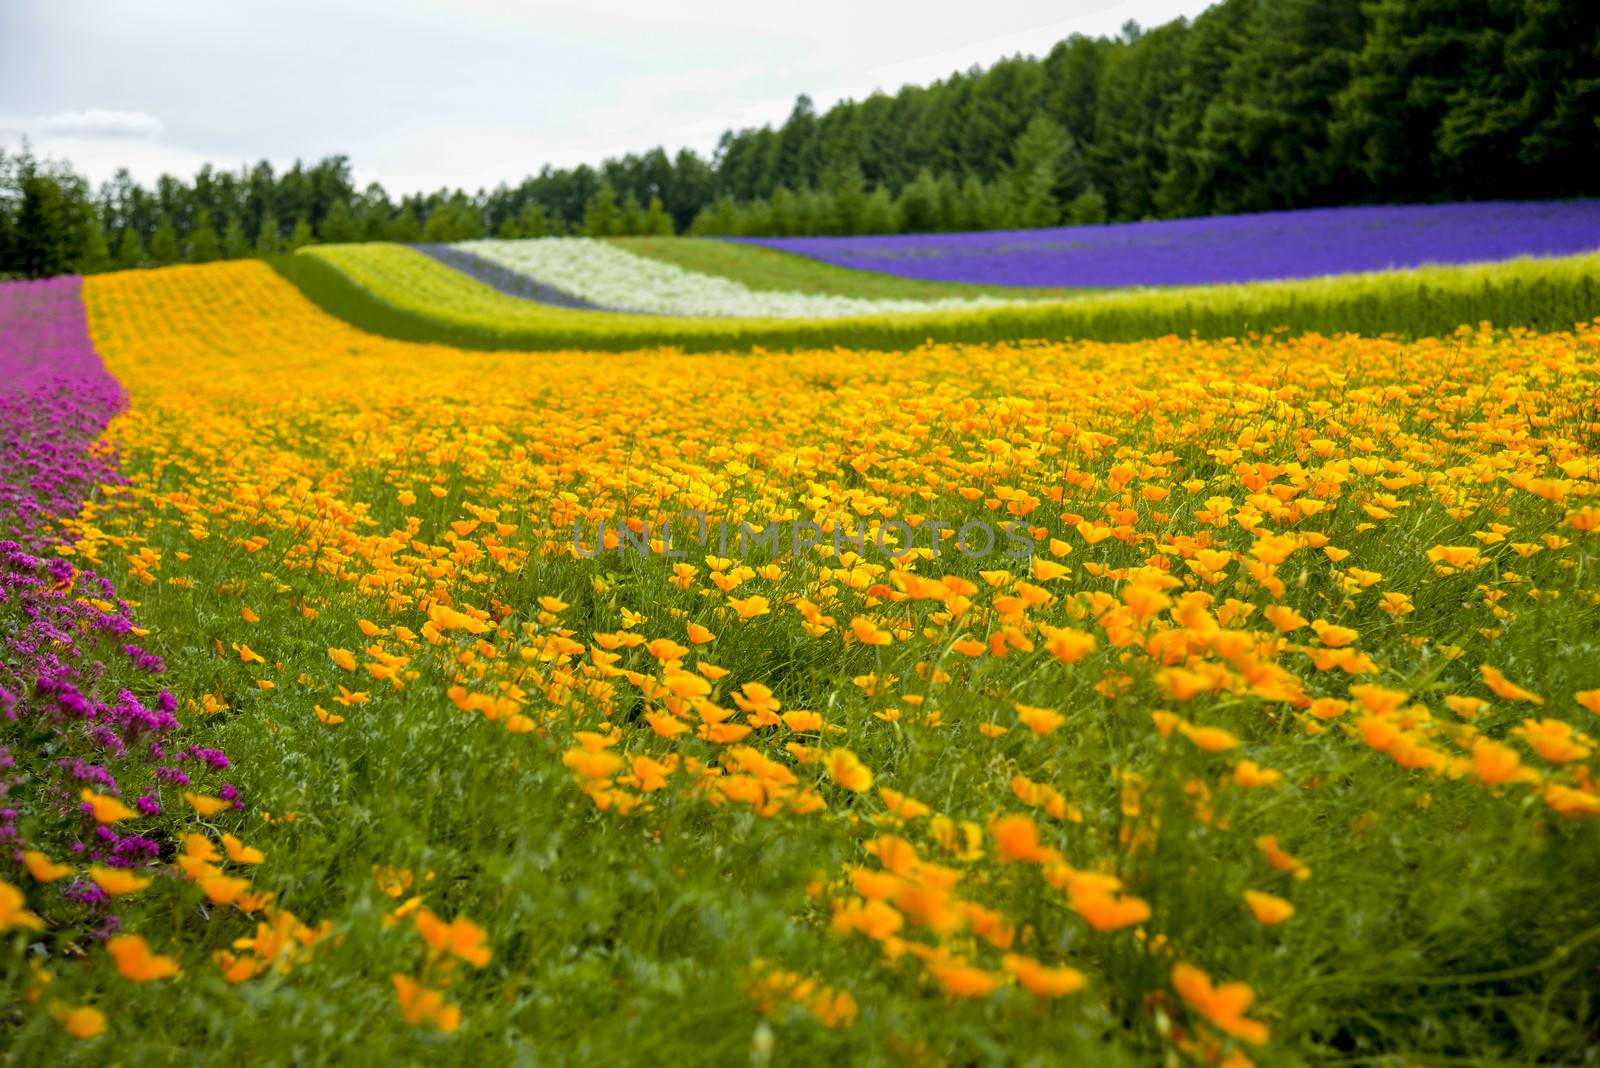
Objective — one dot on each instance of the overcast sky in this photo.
(428, 93)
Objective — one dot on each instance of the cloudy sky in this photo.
(428, 93)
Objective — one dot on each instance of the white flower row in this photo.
(603, 274)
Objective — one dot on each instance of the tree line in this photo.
(1255, 105)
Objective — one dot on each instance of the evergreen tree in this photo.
(656, 221)
(1087, 209)
(269, 238)
(235, 246)
(301, 235)
(96, 254)
(47, 238)
(130, 250)
(920, 209)
(755, 219)
(164, 243)
(720, 217)
(785, 214)
(949, 214)
(600, 215)
(630, 220)
(878, 214)
(203, 244)
(404, 228)
(1040, 159)
(531, 221)
(847, 189)
(338, 226)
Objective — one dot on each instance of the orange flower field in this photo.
(660, 706)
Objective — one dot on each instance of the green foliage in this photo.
(600, 215)
(405, 228)
(204, 245)
(656, 220)
(269, 239)
(130, 251)
(531, 221)
(1044, 165)
(1087, 209)
(235, 246)
(164, 244)
(47, 231)
(301, 236)
(338, 226)
(96, 254)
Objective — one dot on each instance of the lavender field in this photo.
(1226, 248)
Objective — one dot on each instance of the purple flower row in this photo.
(1224, 248)
(81, 706)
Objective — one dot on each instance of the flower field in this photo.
(1243, 248)
(1182, 700)
(406, 294)
(607, 275)
(762, 268)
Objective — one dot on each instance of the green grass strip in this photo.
(400, 293)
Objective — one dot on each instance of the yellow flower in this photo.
(135, 960)
(845, 769)
(1268, 908)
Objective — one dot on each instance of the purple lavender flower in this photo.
(62, 656)
(1223, 248)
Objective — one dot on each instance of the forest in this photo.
(1252, 106)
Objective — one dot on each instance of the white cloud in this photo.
(92, 123)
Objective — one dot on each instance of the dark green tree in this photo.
(164, 243)
(203, 245)
(235, 246)
(600, 215)
(656, 221)
(269, 238)
(301, 235)
(96, 254)
(130, 250)
(338, 226)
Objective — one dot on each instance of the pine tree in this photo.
(878, 214)
(785, 212)
(920, 210)
(404, 227)
(600, 216)
(301, 235)
(164, 243)
(848, 190)
(203, 246)
(1036, 200)
(1038, 160)
(630, 220)
(949, 202)
(656, 221)
(1087, 209)
(755, 219)
(96, 254)
(269, 239)
(974, 201)
(234, 244)
(532, 220)
(337, 227)
(47, 240)
(130, 250)
(720, 217)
